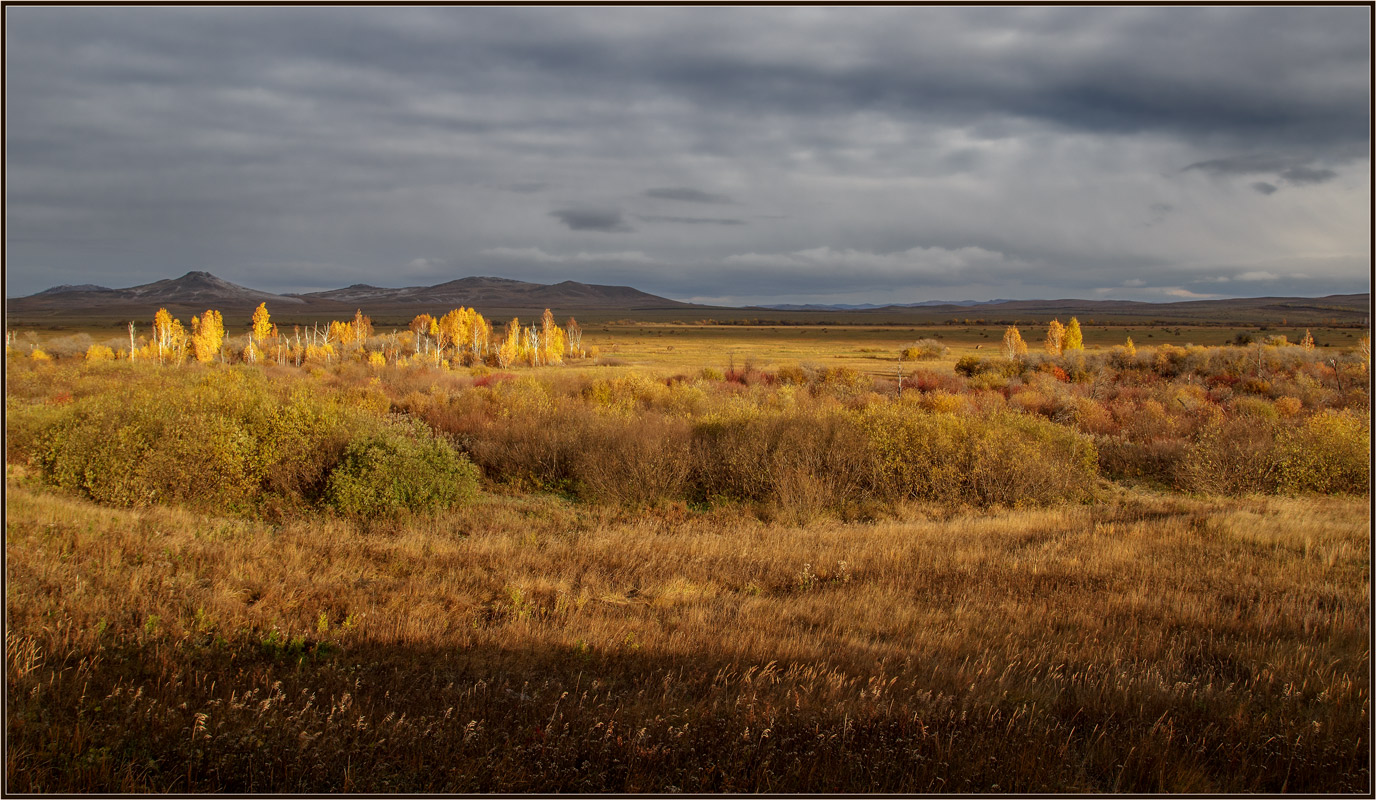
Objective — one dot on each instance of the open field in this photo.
(1141, 644)
(713, 558)
(668, 347)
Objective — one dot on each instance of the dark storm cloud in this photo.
(687, 195)
(287, 147)
(1294, 170)
(1306, 175)
(586, 219)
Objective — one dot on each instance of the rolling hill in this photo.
(197, 291)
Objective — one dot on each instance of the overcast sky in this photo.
(732, 155)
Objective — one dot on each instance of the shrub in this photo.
(926, 381)
(970, 365)
(792, 375)
(1254, 408)
(943, 402)
(1330, 453)
(805, 459)
(220, 440)
(401, 468)
(925, 350)
(1288, 406)
(1158, 460)
(1005, 458)
(1233, 456)
(633, 463)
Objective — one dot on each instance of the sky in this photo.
(727, 155)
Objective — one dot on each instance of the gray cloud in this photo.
(1291, 169)
(687, 195)
(690, 220)
(1265, 188)
(1304, 175)
(1251, 164)
(586, 219)
(303, 147)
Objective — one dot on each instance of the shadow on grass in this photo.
(303, 717)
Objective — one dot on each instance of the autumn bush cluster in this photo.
(801, 441)
(381, 579)
(1220, 420)
(232, 439)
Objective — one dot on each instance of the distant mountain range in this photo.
(197, 291)
(874, 306)
(202, 290)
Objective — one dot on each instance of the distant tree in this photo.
(452, 327)
(531, 348)
(262, 324)
(420, 326)
(1013, 345)
(1129, 348)
(510, 348)
(207, 335)
(1074, 340)
(361, 328)
(1308, 341)
(551, 340)
(575, 338)
(482, 335)
(1055, 337)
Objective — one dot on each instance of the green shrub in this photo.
(221, 439)
(970, 365)
(101, 451)
(1330, 453)
(401, 468)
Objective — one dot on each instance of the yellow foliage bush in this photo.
(99, 352)
(1330, 452)
(941, 401)
(1288, 406)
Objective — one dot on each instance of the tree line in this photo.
(460, 337)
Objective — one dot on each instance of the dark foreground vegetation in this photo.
(1113, 571)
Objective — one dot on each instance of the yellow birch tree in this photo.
(262, 324)
(1055, 337)
(207, 335)
(510, 349)
(1013, 345)
(1074, 340)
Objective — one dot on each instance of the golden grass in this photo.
(1148, 643)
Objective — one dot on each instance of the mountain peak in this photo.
(80, 287)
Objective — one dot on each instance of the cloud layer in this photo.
(739, 154)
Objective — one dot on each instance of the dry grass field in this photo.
(713, 559)
(1142, 644)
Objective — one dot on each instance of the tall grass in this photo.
(1055, 575)
(1145, 644)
